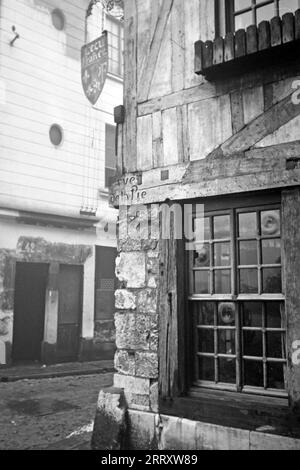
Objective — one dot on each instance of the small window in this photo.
(110, 154)
(56, 135)
(58, 19)
(237, 303)
(115, 45)
(239, 14)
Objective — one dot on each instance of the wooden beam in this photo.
(171, 300)
(265, 124)
(149, 65)
(130, 88)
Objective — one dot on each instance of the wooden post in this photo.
(291, 276)
(171, 314)
(288, 27)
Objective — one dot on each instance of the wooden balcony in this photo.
(270, 43)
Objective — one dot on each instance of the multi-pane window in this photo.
(236, 301)
(110, 154)
(115, 45)
(240, 14)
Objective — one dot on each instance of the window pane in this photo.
(253, 344)
(275, 348)
(222, 282)
(288, 6)
(247, 225)
(266, 12)
(207, 368)
(202, 228)
(221, 227)
(205, 313)
(241, 4)
(226, 314)
(227, 370)
(206, 341)
(271, 251)
(253, 373)
(202, 282)
(248, 253)
(226, 341)
(276, 376)
(243, 21)
(273, 315)
(270, 223)
(222, 255)
(272, 281)
(252, 314)
(202, 256)
(248, 281)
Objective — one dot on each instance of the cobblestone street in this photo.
(49, 413)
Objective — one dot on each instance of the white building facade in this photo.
(57, 237)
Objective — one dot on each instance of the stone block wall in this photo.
(136, 319)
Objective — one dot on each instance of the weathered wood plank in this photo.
(288, 27)
(157, 140)
(276, 31)
(291, 250)
(229, 47)
(268, 96)
(264, 35)
(192, 32)
(144, 143)
(207, 54)
(297, 24)
(178, 45)
(170, 136)
(251, 39)
(149, 65)
(237, 111)
(218, 51)
(240, 43)
(253, 99)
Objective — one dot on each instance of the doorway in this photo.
(69, 312)
(29, 311)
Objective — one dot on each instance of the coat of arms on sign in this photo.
(94, 66)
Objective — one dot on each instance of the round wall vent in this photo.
(56, 134)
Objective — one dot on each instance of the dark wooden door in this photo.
(69, 312)
(29, 311)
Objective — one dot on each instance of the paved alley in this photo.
(49, 413)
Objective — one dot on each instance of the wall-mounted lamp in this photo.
(13, 28)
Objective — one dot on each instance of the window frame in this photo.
(258, 207)
(106, 167)
(225, 14)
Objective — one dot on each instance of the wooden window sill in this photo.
(256, 47)
(236, 410)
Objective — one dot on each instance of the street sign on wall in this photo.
(94, 66)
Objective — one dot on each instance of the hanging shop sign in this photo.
(94, 66)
